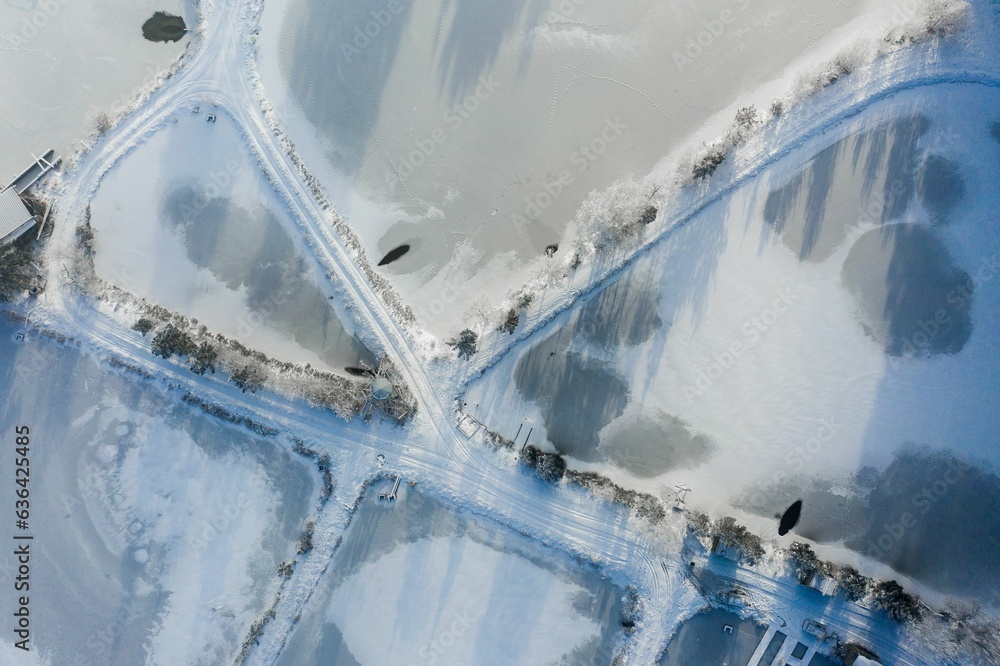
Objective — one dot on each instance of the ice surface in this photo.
(157, 530)
(208, 237)
(473, 132)
(63, 62)
(417, 583)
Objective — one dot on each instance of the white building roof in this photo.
(14, 216)
(865, 661)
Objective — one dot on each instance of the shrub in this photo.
(523, 299)
(144, 326)
(248, 378)
(306, 541)
(16, 272)
(855, 585)
(465, 343)
(732, 533)
(805, 560)
(103, 123)
(707, 165)
(648, 216)
(172, 340)
(510, 322)
(203, 359)
(643, 504)
(888, 595)
(548, 466)
(747, 118)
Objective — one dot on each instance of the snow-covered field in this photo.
(157, 530)
(63, 62)
(414, 582)
(786, 332)
(473, 132)
(187, 221)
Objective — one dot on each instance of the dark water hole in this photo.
(164, 27)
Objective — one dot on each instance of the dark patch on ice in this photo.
(936, 518)
(333, 648)
(648, 447)
(790, 518)
(249, 249)
(336, 59)
(578, 395)
(357, 372)
(394, 254)
(703, 639)
(430, 249)
(626, 313)
(814, 209)
(910, 296)
(836, 510)
(995, 130)
(164, 27)
(940, 187)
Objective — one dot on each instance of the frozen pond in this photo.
(769, 367)
(414, 582)
(62, 63)
(211, 239)
(157, 530)
(910, 296)
(868, 177)
(702, 640)
(473, 131)
(928, 514)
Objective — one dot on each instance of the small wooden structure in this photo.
(15, 218)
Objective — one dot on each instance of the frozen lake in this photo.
(702, 640)
(470, 590)
(210, 238)
(406, 113)
(62, 63)
(824, 316)
(157, 530)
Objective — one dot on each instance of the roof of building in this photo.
(381, 388)
(13, 214)
(865, 661)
